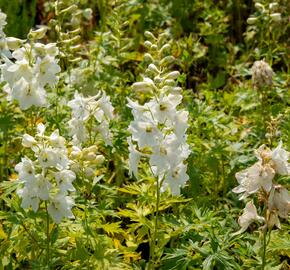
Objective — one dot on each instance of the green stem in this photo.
(154, 239)
(264, 248)
(47, 238)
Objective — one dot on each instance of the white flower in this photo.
(28, 141)
(280, 158)
(180, 124)
(56, 140)
(249, 216)
(43, 187)
(60, 207)
(145, 133)
(176, 178)
(46, 70)
(29, 198)
(280, 201)
(64, 180)
(26, 170)
(253, 178)
(78, 130)
(48, 157)
(134, 158)
(79, 106)
(105, 104)
(165, 107)
(28, 94)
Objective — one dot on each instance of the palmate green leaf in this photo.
(112, 228)
(280, 243)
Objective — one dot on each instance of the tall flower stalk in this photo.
(158, 131)
(259, 179)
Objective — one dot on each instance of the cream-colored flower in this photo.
(249, 216)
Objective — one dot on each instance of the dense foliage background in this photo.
(214, 45)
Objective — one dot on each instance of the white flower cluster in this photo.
(259, 178)
(48, 177)
(29, 69)
(158, 130)
(84, 109)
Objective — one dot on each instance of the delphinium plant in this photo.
(158, 131)
(261, 179)
(46, 180)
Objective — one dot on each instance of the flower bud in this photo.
(260, 7)
(153, 68)
(173, 75)
(251, 20)
(165, 48)
(14, 43)
(154, 47)
(147, 44)
(88, 14)
(28, 140)
(158, 79)
(70, 9)
(90, 156)
(167, 60)
(276, 17)
(148, 57)
(89, 172)
(149, 35)
(273, 5)
(38, 34)
(261, 74)
(99, 159)
(170, 82)
(142, 86)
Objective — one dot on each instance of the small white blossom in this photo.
(60, 207)
(249, 216)
(253, 178)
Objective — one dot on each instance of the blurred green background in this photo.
(21, 15)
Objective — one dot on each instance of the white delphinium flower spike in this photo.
(49, 176)
(158, 129)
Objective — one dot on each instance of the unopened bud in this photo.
(167, 60)
(276, 17)
(14, 43)
(89, 172)
(273, 5)
(251, 20)
(88, 14)
(91, 156)
(148, 57)
(99, 159)
(38, 34)
(169, 82)
(154, 47)
(165, 48)
(153, 68)
(147, 44)
(70, 9)
(142, 86)
(173, 75)
(260, 7)
(149, 35)
(28, 140)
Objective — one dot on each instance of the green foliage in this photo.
(20, 16)
(115, 213)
